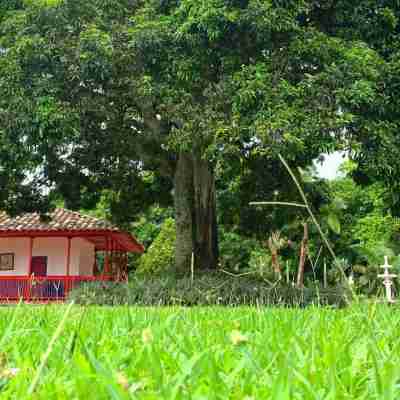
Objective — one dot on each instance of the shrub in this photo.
(104, 293)
(205, 290)
(375, 229)
(235, 250)
(148, 226)
(260, 263)
(160, 256)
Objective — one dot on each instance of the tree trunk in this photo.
(183, 198)
(303, 255)
(195, 214)
(205, 231)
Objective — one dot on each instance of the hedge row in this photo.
(206, 290)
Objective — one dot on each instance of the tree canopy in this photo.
(150, 99)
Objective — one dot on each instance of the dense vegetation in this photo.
(356, 220)
(168, 117)
(230, 353)
(154, 109)
(208, 290)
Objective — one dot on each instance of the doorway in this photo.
(39, 266)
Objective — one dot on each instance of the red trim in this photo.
(106, 257)
(28, 286)
(48, 288)
(95, 268)
(53, 277)
(124, 239)
(30, 254)
(49, 232)
(112, 252)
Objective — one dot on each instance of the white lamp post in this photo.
(387, 280)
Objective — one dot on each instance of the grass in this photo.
(200, 353)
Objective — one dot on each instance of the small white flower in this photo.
(122, 380)
(135, 387)
(147, 336)
(9, 373)
(238, 338)
(103, 126)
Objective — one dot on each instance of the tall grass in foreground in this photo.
(201, 353)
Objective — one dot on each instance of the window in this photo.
(6, 262)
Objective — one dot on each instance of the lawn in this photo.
(199, 353)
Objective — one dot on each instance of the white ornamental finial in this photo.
(387, 280)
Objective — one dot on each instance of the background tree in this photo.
(142, 97)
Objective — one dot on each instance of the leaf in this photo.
(334, 223)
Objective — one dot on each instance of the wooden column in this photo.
(106, 257)
(28, 287)
(68, 267)
(125, 265)
(111, 256)
(30, 253)
(95, 268)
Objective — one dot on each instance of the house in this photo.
(45, 259)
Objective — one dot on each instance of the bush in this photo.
(260, 263)
(148, 226)
(160, 256)
(102, 293)
(235, 250)
(205, 290)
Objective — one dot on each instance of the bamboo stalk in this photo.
(287, 272)
(276, 203)
(314, 220)
(303, 196)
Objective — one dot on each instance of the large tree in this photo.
(136, 96)
(372, 101)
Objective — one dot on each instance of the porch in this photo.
(43, 261)
(47, 288)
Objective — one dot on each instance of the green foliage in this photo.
(102, 98)
(149, 224)
(205, 290)
(375, 228)
(160, 256)
(334, 223)
(331, 213)
(365, 220)
(126, 353)
(260, 264)
(110, 293)
(235, 250)
(255, 176)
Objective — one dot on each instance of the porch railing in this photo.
(48, 288)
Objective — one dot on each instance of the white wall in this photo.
(55, 249)
(87, 256)
(20, 248)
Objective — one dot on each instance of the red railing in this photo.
(14, 288)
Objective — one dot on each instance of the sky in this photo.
(330, 166)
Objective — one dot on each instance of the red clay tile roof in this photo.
(65, 221)
(61, 220)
